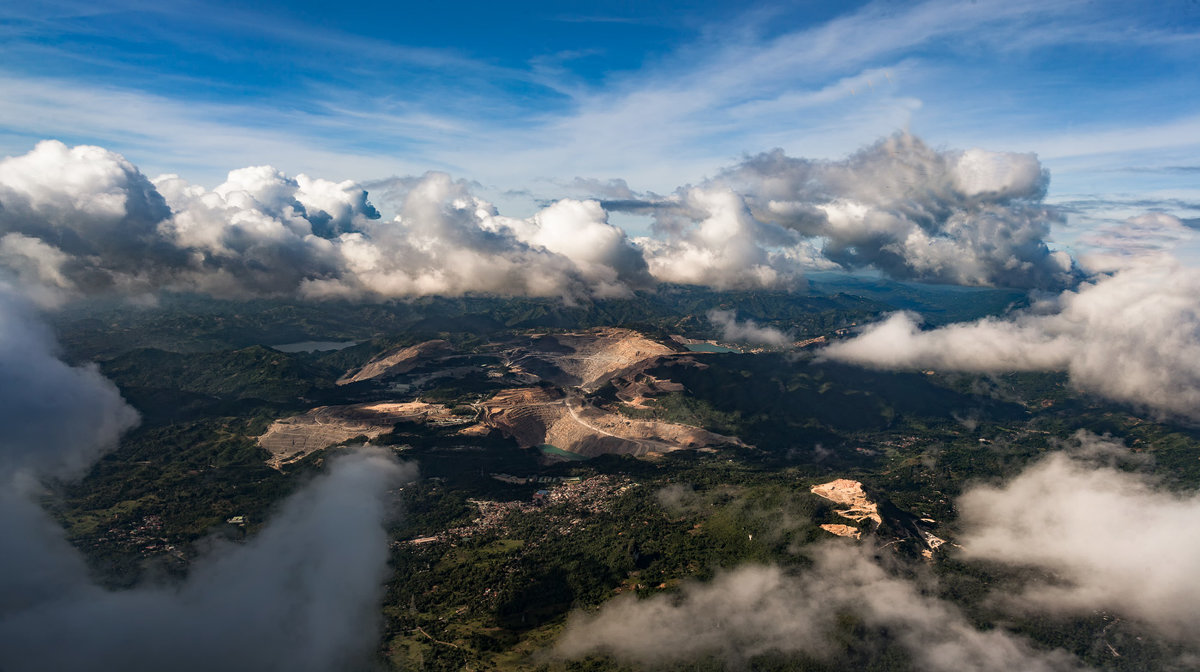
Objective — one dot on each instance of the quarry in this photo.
(535, 416)
(290, 439)
(549, 405)
(400, 360)
(859, 507)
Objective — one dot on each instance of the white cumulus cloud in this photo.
(754, 610)
(711, 238)
(1111, 538)
(1133, 337)
(969, 217)
(83, 219)
(746, 331)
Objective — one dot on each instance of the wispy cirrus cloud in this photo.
(172, 135)
(371, 106)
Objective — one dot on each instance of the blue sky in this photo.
(525, 97)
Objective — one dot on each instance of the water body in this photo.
(313, 346)
(709, 347)
(548, 449)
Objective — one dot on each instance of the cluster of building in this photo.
(522, 480)
(145, 537)
(590, 495)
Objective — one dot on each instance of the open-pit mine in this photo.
(551, 375)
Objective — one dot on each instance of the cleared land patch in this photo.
(850, 494)
(399, 360)
(535, 416)
(290, 439)
(589, 358)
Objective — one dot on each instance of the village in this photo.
(572, 496)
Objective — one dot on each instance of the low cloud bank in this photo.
(1133, 337)
(746, 331)
(77, 220)
(1103, 533)
(1112, 539)
(57, 419)
(301, 595)
(756, 610)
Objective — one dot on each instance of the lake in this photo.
(313, 346)
(709, 347)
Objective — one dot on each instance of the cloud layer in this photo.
(83, 219)
(301, 595)
(1110, 537)
(1132, 337)
(746, 331)
(754, 610)
(969, 218)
